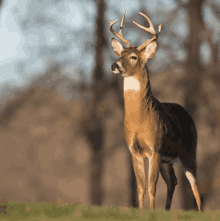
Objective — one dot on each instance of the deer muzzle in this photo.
(117, 68)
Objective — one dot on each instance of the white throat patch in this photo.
(131, 83)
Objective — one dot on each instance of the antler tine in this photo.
(151, 30)
(119, 34)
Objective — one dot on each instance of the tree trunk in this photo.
(95, 134)
(192, 82)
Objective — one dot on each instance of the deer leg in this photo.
(169, 177)
(153, 172)
(190, 167)
(139, 170)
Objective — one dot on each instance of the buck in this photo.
(161, 132)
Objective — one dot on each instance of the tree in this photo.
(94, 125)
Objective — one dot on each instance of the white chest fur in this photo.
(131, 84)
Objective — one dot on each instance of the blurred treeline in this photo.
(64, 139)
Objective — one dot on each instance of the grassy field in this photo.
(34, 211)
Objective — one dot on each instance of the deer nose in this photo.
(116, 68)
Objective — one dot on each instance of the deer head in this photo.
(132, 58)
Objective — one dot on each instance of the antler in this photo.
(119, 34)
(151, 30)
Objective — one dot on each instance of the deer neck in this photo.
(138, 96)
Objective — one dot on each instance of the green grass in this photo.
(35, 211)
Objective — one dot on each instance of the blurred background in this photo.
(61, 119)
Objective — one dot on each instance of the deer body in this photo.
(161, 132)
(159, 128)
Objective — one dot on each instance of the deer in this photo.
(161, 132)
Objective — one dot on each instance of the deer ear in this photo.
(149, 51)
(117, 47)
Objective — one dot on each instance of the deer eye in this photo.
(133, 57)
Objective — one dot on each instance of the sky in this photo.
(17, 47)
(11, 44)
(29, 47)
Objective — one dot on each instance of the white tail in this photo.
(162, 132)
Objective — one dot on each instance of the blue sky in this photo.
(11, 44)
(17, 46)
(70, 16)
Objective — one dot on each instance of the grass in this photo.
(36, 211)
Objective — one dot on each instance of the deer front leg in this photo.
(153, 172)
(139, 170)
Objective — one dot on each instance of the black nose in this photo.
(115, 66)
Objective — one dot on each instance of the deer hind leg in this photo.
(153, 172)
(190, 171)
(167, 172)
(139, 170)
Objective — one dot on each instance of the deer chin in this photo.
(116, 71)
(119, 71)
(124, 75)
